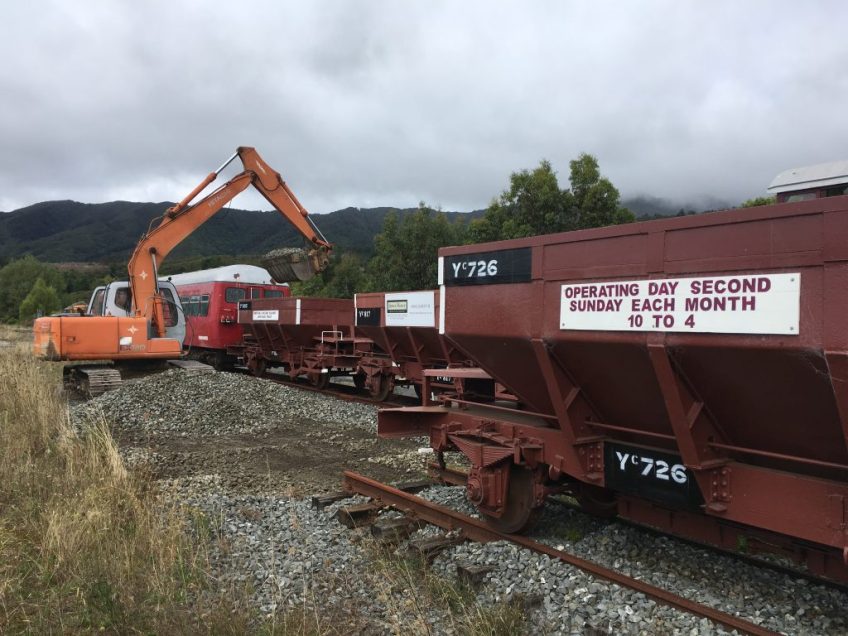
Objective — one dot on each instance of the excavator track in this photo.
(91, 381)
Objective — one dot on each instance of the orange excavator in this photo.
(143, 322)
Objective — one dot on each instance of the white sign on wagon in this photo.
(266, 314)
(743, 304)
(411, 309)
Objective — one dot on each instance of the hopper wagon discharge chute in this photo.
(689, 374)
(142, 320)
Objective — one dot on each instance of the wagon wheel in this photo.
(521, 512)
(597, 501)
(380, 387)
(320, 380)
(257, 366)
(359, 380)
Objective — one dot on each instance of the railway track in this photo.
(342, 392)
(455, 477)
(423, 511)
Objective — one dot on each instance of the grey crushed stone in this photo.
(216, 403)
(776, 601)
(289, 553)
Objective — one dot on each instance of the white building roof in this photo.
(249, 274)
(806, 177)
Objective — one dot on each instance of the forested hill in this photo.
(67, 231)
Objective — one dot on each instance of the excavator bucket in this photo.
(290, 264)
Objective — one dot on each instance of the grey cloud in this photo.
(384, 103)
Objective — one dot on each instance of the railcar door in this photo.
(175, 326)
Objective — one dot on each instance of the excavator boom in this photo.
(141, 332)
(185, 217)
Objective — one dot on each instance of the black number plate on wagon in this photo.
(651, 474)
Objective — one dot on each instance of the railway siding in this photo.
(248, 454)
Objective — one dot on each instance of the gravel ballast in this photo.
(764, 597)
(215, 403)
(212, 438)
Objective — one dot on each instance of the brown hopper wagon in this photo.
(404, 329)
(389, 339)
(311, 337)
(690, 374)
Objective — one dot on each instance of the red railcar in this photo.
(210, 300)
(690, 374)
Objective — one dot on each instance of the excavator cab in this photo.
(115, 299)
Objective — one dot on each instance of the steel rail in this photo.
(476, 530)
(339, 391)
(456, 477)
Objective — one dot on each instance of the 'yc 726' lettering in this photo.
(475, 268)
(649, 467)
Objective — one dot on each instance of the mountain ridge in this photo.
(71, 231)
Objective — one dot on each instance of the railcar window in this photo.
(273, 293)
(195, 305)
(169, 308)
(234, 294)
(255, 292)
(803, 196)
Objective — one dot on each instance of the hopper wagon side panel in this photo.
(284, 328)
(743, 392)
(419, 343)
(764, 391)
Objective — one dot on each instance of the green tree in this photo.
(348, 277)
(535, 204)
(17, 280)
(406, 251)
(757, 201)
(597, 200)
(41, 300)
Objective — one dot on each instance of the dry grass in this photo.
(11, 335)
(410, 589)
(85, 545)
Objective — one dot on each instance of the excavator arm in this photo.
(184, 218)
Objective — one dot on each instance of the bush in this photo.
(40, 301)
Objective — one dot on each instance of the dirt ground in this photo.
(299, 458)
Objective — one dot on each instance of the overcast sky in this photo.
(390, 103)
